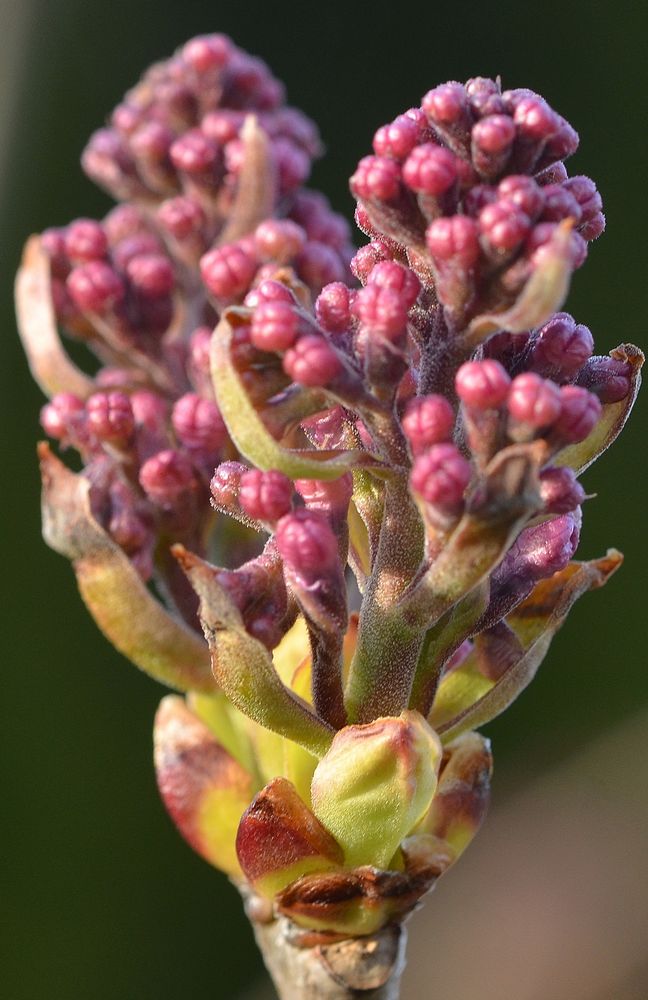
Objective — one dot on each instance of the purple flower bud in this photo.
(207, 52)
(228, 271)
(137, 245)
(427, 420)
(560, 490)
(454, 239)
(592, 230)
(319, 265)
(333, 307)
(491, 143)
(166, 477)
(376, 177)
(584, 190)
(126, 524)
(151, 143)
(110, 417)
(580, 411)
(561, 347)
(53, 244)
(279, 239)
(446, 104)
(312, 362)
(533, 401)
(292, 163)
(535, 120)
(198, 423)
(85, 240)
(274, 326)
(504, 225)
(542, 550)
(523, 192)
(367, 257)
(397, 139)
(62, 414)
(440, 476)
(265, 496)
(559, 204)
(151, 275)
(390, 274)
(430, 169)
(382, 309)
(194, 154)
(225, 485)
(482, 385)
(540, 239)
(182, 217)
(306, 543)
(609, 378)
(95, 287)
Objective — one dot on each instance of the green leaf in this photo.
(580, 456)
(243, 666)
(249, 433)
(125, 611)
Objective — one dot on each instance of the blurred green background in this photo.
(101, 898)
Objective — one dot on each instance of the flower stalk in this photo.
(328, 496)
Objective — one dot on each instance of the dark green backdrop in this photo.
(102, 898)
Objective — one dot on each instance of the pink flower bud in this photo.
(61, 414)
(228, 271)
(440, 476)
(198, 423)
(151, 275)
(182, 217)
(110, 417)
(306, 542)
(123, 221)
(382, 310)
(390, 274)
(446, 104)
(561, 346)
(396, 139)
(523, 192)
(333, 307)
(534, 119)
(207, 52)
(503, 225)
(376, 177)
(312, 362)
(493, 134)
(95, 287)
(427, 420)
(534, 401)
(430, 169)
(137, 245)
(319, 265)
(265, 496)
(366, 259)
(559, 204)
(455, 239)
(225, 484)
(274, 325)
(279, 239)
(193, 153)
(151, 142)
(482, 385)
(85, 240)
(580, 411)
(330, 496)
(166, 476)
(560, 490)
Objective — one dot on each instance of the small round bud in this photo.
(580, 411)
(85, 240)
(151, 142)
(182, 217)
(523, 192)
(396, 139)
(503, 225)
(122, 221)
(319, 265)
(561, 345)
(312, 362)
(376, 177)
(440, 476)
(137, 245)
(110, 417)
(63, 411)
(268, 290)
(151, 275)
(430, 169)
(559, 204)
(274, 325)
(279, 240)
(366, 259)
(306, 542)
(207, 52)
(265, 496)
(608, 378)
(225, 484)
(454, 239)
(427, 420)
(228, 271)
(584, 190)
(166, 476)
(534, 401)
(560, 490)
(493, 134)
(95, 287)
(382, 309)
(198, 423)
(194, 153)
(333, 307)
(330, 496)
(390, 274)
(534, 119)
(482, 385)
(446, 104)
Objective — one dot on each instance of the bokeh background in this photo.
(100, 897)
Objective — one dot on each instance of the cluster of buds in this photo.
(261, 427)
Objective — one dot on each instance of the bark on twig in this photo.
(368, 967)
